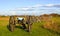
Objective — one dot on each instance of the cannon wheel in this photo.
(29, 27)
(29, 24)
(11, 23)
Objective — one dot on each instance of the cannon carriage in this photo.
(22, 21)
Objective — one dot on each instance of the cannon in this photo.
(12, 23)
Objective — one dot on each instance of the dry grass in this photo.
(52, 23)
(4, 18)
(49, 23)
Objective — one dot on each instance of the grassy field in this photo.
(36, 30)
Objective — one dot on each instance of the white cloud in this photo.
(52, 5)
(28, 8)
(13, 13)
(49, 5)
(57, 5)
(32, 10)
(25, 8)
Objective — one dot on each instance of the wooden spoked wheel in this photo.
(11, 23)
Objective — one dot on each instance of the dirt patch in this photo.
(4, 18)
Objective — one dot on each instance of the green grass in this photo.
(36, 30)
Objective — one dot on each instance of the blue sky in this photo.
(29, 7)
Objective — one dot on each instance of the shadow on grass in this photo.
(8, 27)
(19, 27)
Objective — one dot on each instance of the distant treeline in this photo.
(53, 14)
